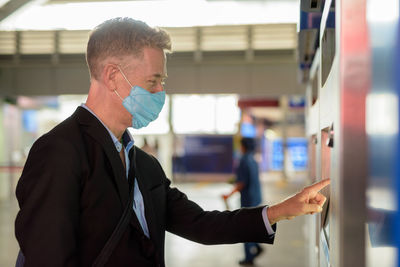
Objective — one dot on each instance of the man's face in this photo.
(148, 72)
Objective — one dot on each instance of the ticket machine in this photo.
(338, 83)
(352, 122)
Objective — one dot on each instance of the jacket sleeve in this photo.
(187, 219)
(48, 193)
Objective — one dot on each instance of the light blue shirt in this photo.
(266, 221)
(138, 203)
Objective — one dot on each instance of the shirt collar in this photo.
(127, 138)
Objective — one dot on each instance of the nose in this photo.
(159, 87)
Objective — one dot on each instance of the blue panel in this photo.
(298, 154)
(303, 20)
(208, 154)
(330, 21)
(247, 130)
(298, 151)
(309, 26)
(397, 176)
(297, 101)
(310, 20)
(277, 155)
(264, 154)
(30, 121)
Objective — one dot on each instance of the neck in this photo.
(106, 112)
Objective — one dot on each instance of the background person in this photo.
(146, 147)
(248, 184)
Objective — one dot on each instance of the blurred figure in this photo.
(248, 184)
(178, 155)
(149, 149)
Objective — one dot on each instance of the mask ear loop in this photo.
(126, 79)
(118, 94)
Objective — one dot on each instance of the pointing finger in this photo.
(318, 186)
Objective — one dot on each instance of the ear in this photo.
(108, 76)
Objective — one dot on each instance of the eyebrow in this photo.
(158, 75)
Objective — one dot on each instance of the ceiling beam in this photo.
(10, 7)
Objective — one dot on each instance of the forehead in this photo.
(154, 61)
(151, 62)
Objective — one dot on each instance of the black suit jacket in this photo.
(73, 190)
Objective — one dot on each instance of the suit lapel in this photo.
(93, 127)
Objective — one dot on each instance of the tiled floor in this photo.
(289, 250)
(8, 244)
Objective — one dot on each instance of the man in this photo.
(248, 184)
(80, 176)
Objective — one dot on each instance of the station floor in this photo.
(289, 250)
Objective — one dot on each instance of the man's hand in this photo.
(308, 201)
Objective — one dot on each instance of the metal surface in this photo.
(359, 97)
(352, 154)
(343, 83)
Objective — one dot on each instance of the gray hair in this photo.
(121, 37)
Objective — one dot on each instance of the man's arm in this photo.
(308, 201)
(48, 194)
(238, 186)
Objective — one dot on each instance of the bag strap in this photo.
(119, 230)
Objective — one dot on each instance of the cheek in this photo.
(124, 111)
(126, 117)
(120, 109)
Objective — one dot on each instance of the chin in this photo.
(128, 123)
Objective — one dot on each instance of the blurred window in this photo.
(207, 114)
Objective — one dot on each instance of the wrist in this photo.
(272, 214)
(279, 212)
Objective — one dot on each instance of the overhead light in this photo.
(382, 11)
(382, 114)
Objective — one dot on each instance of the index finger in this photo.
(319, 186)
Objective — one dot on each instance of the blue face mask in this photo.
(142, 105)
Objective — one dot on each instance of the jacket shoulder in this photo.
(66, 133)
(150, 166)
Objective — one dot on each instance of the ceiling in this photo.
(86, 14)
(246, 59)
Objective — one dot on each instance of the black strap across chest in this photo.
(119, 230)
